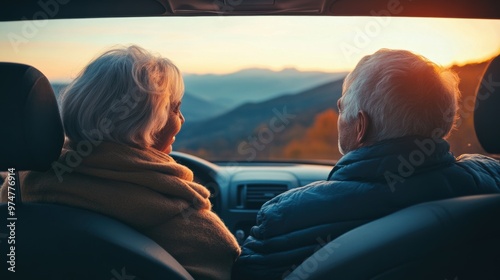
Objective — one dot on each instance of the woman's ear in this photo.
(362, 127)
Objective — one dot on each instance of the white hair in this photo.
(123, 96)
(403, 94)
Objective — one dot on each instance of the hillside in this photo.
(251, 121)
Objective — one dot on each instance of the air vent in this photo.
(252, 196)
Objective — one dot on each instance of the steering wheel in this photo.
(205, 173)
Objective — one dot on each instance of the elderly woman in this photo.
(121, 115)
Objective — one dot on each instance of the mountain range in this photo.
(254, 85)
(226, 132)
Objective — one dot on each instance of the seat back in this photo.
(46, 241)
(60, 242)
(455, 238)
(487, 108)
(32, 135)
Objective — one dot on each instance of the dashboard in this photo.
(239, 189)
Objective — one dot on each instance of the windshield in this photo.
(261, 88)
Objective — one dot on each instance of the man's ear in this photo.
(362, 127)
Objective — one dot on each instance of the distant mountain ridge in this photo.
(254, 84)
(196, 109)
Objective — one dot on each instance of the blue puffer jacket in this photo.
(366, 184)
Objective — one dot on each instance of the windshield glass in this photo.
(261, 88)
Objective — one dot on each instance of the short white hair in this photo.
(403, 94)
(122, 96)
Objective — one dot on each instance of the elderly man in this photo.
(395, 111)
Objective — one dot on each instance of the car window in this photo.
(262, 88)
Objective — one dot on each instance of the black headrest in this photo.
(31, 129)
(487, 112)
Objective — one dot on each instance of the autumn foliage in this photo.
(319, 140)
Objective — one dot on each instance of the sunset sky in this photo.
(60, 48)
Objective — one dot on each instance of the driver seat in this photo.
(454, 239)
(48, 241)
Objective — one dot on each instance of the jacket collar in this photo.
(399, 157)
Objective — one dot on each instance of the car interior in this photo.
(456, 238)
